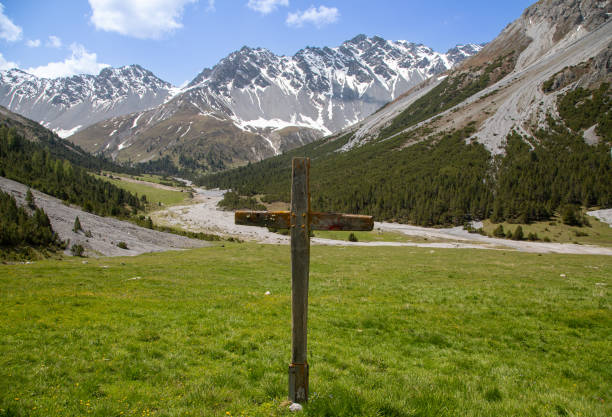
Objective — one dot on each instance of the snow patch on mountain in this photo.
(329, 88)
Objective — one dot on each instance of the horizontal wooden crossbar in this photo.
(318, 221)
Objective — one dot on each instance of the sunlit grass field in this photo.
(392, 332)
(597, 233)
(155, 196)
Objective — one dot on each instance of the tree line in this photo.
(443, 180)
(23, 228)
(34, 165)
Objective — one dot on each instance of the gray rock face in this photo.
(326, 89)
(68, 104)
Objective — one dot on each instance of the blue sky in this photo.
(176, 39)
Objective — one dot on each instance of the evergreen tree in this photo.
(518, 234)
(30, 199)
(77, 225)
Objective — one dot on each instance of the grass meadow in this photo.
(392, 332)
(597, 233)
(155, 196)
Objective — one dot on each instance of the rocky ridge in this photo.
(271, 103)
(69, 104)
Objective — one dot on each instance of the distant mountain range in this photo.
(251, 105)
(68, 104)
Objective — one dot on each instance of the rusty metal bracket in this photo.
(298, 382)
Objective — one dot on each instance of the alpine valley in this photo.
(520, 132)
(252, 105)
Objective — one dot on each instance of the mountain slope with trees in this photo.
(439, 155)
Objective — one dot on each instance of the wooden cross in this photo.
(300, 220)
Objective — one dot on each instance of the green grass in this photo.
(158, 179)
(598, 233)
(373, 236)
(155, 196)
(392, 332)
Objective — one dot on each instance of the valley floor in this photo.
(204, 216)
(392, 332)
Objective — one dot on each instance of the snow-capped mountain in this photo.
(68, 104)
(275, 102)
(320, 88)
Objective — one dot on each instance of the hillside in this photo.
(56, 146)
(496, 137)
(99, 236)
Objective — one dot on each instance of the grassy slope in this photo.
(393, 332)
(598, 233)
(154, 195)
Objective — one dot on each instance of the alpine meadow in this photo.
(279, 207)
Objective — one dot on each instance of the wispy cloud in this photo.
(143, 19)
(211, 6)
(266, 6)
(80, 62)
(6, 65)
(54, 42)
(8, 30)
(33, 43)
(318, 17)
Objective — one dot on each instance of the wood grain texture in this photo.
(275, 219)
(300, 261)
(318, 221)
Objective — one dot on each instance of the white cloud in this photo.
(79, 62)
(33, 43)
(266, 6)
(8, 30)
(211, 6)
(143, 19)
(6, 65)
(54, 42)
(318, 17)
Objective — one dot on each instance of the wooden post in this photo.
(300, 220)
(300, 261)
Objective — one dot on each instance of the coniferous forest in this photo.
(34, 165)
(444, 180)
(23, 228)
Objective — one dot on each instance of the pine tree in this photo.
(518, 234)
(30, 199)
(77, 225)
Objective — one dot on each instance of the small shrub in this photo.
(77, 250)
(88, 233)
(518, 234)
(352, 238)
(499, 231)
(122, 245)
(532, 236)
(570, 215)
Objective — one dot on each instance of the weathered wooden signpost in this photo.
(300, 220)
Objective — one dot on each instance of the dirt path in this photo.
(106, 231)
(204, 216)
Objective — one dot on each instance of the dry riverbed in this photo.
(204, 216)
